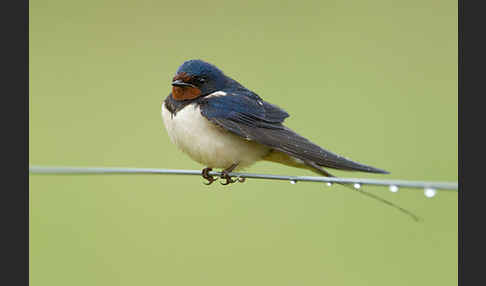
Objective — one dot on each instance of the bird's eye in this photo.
(201, 79)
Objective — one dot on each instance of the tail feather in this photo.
(281, 138)
(300, 147)
(323, 172)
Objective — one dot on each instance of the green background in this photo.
(375, 81)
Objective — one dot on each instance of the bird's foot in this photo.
(225, 176)
(205, 174)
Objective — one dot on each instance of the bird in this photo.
(221, 124)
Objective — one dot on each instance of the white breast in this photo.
(207, 143)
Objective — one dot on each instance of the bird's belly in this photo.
(207, 143)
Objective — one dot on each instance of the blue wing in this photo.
(250, 117)
(248, 109)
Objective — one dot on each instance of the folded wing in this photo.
(256, 120)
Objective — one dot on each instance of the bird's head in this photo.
(196, 78)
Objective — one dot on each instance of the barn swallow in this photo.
(221, 124)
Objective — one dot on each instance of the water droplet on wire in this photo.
(430, 193)
(329, 184)
(293, 182)
(393, 188)
(357, 186)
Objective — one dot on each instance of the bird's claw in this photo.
(205, 174)
(227, 177)
(224, 176)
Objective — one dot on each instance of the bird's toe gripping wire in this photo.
(224, 176)
(209, 178)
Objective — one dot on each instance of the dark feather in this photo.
(257, 120)
(244, 109)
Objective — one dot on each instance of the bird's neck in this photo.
(174, 106)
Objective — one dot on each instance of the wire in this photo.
(429, 187)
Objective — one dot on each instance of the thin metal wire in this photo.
(447, 186)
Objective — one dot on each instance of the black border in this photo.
(14, 209)
(471, 80)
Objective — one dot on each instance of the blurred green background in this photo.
(375, 81)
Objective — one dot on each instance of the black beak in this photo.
(180, 83)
